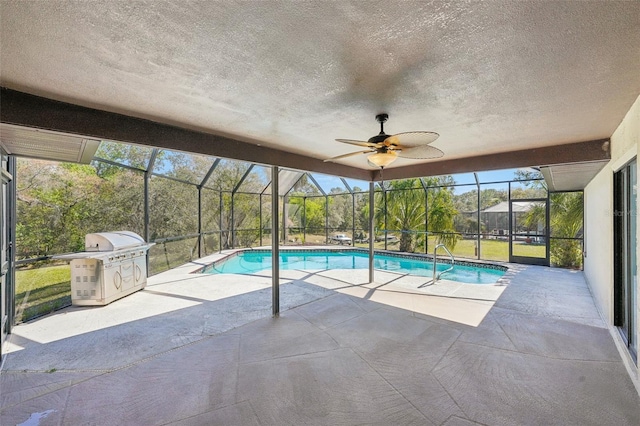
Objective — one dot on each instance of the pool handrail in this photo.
(437, 276)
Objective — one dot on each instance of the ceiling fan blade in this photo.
(411, 139)
(340, 157)
(420, 152)
(358, 143)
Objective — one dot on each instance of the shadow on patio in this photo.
(200, 351)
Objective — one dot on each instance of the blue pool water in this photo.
(248, 262)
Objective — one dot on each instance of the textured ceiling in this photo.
(489, 77)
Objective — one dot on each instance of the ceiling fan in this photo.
(384, 149)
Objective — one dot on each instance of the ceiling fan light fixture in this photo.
(382, 159)
(383, 149)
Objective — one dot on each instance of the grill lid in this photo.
(110, 241)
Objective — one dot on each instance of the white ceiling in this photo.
(489, 77)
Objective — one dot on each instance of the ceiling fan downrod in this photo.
(382, 118)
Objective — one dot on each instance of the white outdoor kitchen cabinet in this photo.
(114, 265)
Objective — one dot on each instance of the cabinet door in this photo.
(112, 280)
(127, 269)
(140, 271)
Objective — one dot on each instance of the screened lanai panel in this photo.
(127, 154)
(411, 183)
(341, 217)
(173, 208)
(567, 227)
(298, 210)
(330, 184)
(315, 231)
(402, 223)
(528, 189)
(361, 236)
(306, 185)
(74, 201)
(438, 181)
(210, 210)
(173, 221)
(265, 214)
(567, 213)
(121, 204)
(358, 185)
(226, 220)
(465, 220)
(494, 221)
(505, 175)
(184, 166)
(246, 220)
(255, 182)
(441, 213)
(210, 221)
(286, 181)
(463, 179)
(227, 174)
(527, 173)
(494, 176)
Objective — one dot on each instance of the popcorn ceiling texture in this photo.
(489, 77)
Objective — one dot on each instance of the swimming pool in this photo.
(252, 261)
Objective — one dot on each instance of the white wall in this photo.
(598, 242)
(598, 265)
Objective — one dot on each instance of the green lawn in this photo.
(42, 290)
(489, 249)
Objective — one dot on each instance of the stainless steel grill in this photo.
(114, 265)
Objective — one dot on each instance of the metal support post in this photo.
(232, 229)
(275, 247)
(200, 236)
(478, 218)
(220, 205)
(371, 229)
(353, 219)
(260, 220)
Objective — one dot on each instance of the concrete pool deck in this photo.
(204, 349)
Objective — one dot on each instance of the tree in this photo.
(57, 204)
(403, 206)
(441, 216)
(567, 210)
(403, 203)
(340, 210)
(566, 220)
(362, 210)
(224, 179)
(131, 155)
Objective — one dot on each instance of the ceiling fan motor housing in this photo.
(378, 138)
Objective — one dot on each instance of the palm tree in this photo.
(567, 210)
(405, 211)
(441, 216)
(403, 203)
